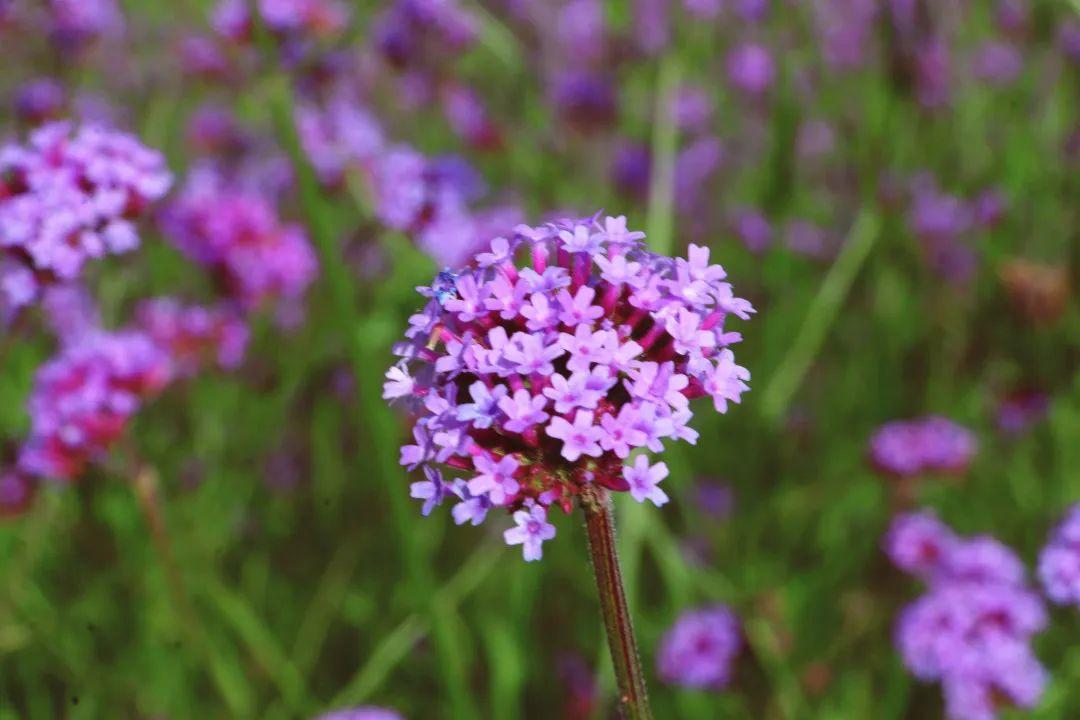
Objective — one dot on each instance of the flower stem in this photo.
(633, 696)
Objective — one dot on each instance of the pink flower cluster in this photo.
(68, 196)
(82, 400)
(236, 234)
(533, 381)
(972, 630)
(193, 335)
(932, 444)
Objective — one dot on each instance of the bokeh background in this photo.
(894, 185)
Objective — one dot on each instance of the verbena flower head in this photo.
(532, 380)
(1059, 562)
(932, 444)
(82, 400)
(751, 68)
(972, 630)
(194, 335)
(237, 234)
(69, 196)
(700, 648)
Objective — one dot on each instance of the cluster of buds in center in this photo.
(532, 382)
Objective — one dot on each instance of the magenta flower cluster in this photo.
(1059, 562)
(700, 648)
(533, 381)
(66, 197)
(932, 444)
(972, 630)
(237, 235)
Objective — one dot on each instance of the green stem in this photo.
(633, 695)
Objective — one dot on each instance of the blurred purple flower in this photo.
(201, 56)
(469, 117)
(972, 630)
(703, 9)
(698, 651)
(754, 230)
(585, 100)
(715, 499)
(1059, 561)
(751, 68)
(40, 100)
(926, 445)
(997, 63)
(933, 74)
(846, 28)
(815, 139)
(693, 108)
(652, 25)
(1018, 412)
(631, 169)
(16, 492)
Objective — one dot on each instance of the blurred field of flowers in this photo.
(214, 219)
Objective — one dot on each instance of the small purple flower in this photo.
(495, 479)
(531, 532)
(700, 648)
(579, 438)
(644, 480)
(432, 491)
(40, 100)
(482, 411)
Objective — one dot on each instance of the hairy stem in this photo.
(633, 696)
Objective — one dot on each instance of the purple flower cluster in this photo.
(972, 630)
(932, 444)
(193, 335)
(337, 136)
(1019, 411)
(534, 381)
(700, 648)
(83, 399)
(1059, 562)
(236, 233)
(69, 196)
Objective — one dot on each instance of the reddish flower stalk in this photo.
(633, 695)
